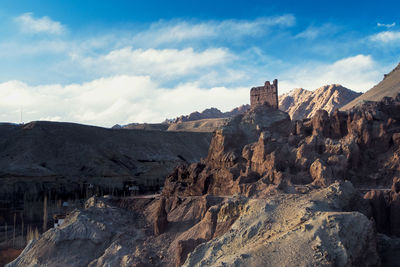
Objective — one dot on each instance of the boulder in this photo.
(321, 173)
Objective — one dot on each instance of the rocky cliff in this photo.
(301, 103)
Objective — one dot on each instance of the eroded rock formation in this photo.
(262, 149)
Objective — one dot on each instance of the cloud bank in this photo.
(30, 24)
(138, 98)
(106, 101)
(358, 73)
(170, 68)
(386, 37)
(176, 31)
(158, 62)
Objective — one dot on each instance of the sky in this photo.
(104, 63)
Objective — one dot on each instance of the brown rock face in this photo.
(265, 95)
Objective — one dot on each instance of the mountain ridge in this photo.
(301, 103)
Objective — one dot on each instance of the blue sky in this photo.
(102, 62)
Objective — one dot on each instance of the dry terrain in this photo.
(271, 192)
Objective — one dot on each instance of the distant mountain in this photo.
(210, 113)
(204, 125)
(301, 103)
(389, 86)
(206, 121)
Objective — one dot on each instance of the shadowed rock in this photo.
(161, 219)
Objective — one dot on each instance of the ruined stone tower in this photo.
(265, 95)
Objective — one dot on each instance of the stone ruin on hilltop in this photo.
(265, 95)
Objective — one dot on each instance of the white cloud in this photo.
(178, 31)
(386, 25)
(358, 73)
(386, 37)
(155, 62)
(30, 24)
(139, 98)
(309, 33)
(313, 32)
(106, 101)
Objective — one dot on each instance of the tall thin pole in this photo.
(22, 220)
(15, 221)
(45, 213)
